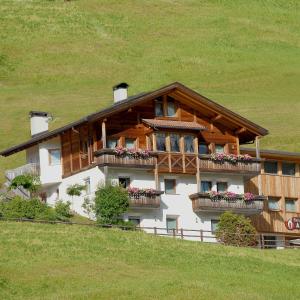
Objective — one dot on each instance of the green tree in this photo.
(29, 182)
(110, 202)
(235, 230)
(75, 190)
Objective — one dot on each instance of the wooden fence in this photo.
(264, 240)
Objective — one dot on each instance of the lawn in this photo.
(64, 57)
(39, 261)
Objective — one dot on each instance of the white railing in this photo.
(32, 168)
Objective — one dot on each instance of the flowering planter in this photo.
(124, 158)
(243, 164)
(247, 204)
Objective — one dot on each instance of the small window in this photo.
(171, 224)
(290, 205)
(170, 186)
(124, 182)
(135, 220)
(203, 148)
(222, 186)
(130, 143)
(188, 144)
(87, 183)
(161, 142)
(159, 108)
(273, 204)
(288, 169)
(214, 225)
(206, 186)
(271, 167)
(171, 108)
(219, 148)
(112, 143)
(54, 157)
(174, 141)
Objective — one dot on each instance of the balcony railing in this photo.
(202, 202)
(32, 168)
(145, 200)
(251, 167)
(109, 157)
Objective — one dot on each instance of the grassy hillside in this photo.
(64, 57)
(71, 262)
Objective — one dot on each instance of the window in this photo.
(171, 224)
(174, 141)
(271, 167)
(219, 148)
(206, 186)
(161, 142)
(130, 143)
(270, 241)
(112, 143)
(203, 148)
(273, 204)
(54, 157)
(222, 186)
(87, 183)
(188, 144)
(171, 108)
(159, 108)
(288, 168)
(135, 220)
(124, 182)
(214, 225)
(290, 205)
(170, 186)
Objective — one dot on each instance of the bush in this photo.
(110, 203)
(235, 230)
(29, 182)
(63, 209)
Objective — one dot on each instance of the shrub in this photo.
(235, 230)
(63, 209)
(110, 203)
(29, 182)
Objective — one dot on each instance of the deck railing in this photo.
(32, 168)
(108, 157)
(203, 202)
(145, 200)
(209, 165)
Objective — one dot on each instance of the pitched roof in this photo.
(137, 99)
(156, 123)
(273, 153)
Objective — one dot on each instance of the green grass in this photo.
(39, 261)
(64, 57)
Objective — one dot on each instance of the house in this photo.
(173, 148)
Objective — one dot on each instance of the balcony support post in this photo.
(104, 133)
(259, 181)
(238, 146)
(198, 180)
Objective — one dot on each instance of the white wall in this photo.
(32, 155)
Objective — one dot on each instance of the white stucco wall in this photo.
(32, 155)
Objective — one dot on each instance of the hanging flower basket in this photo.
(132, 153)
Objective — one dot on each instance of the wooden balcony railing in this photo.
(243, 167)
(177, 163)
(203, 203)
(145, 201)
(108, 157)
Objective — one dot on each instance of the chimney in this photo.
(120, 91)
(39, 122)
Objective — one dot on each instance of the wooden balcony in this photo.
(203, 203)
(145, 201)
(177, 163)
(252, 167)
(108, 157)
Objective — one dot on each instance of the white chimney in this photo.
(39, 122)
(120, 91)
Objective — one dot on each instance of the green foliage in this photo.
(75, 189)
(110, 202)
(34, 209)
(235, 230)
(29, 182)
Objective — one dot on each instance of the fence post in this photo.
(174, 234)
(201, 235)
(262, 241)
(181, 233)
(155, 231)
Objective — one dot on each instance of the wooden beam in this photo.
(257, 148)
(238, 145)
(241, 130)
(216, 118)
(104, 133)
(198, 178)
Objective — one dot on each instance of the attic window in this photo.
(159, 108)
(171, 108)
(165, 107)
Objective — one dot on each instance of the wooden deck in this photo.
(145, 201)
(203, 203)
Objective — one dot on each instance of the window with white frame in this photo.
(54, 157)
(273, 203)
